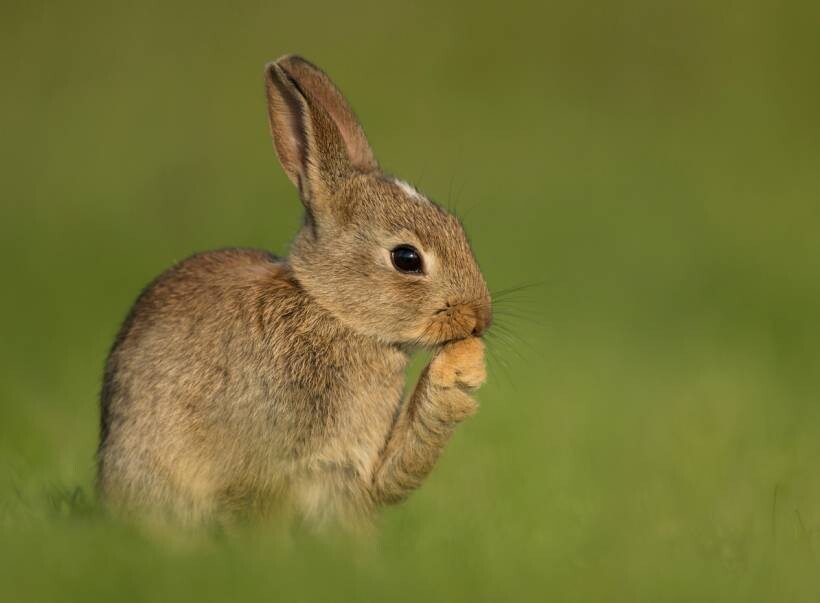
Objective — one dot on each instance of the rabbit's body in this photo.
(240, 383)
(227, 404)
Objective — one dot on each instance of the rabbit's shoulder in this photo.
(228, 267)
(211, 291)
(228, 275)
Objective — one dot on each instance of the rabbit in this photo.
(241, 384)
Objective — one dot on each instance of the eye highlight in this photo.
(407, 259)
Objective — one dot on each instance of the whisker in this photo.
(521, 287)
(509, 346)
(517, 299)
(503, 328)
(422, 339)
(519, 317)
(498, 361)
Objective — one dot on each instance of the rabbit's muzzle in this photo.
(458, 321)
(483, 318)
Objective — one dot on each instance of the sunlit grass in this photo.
(649, 431)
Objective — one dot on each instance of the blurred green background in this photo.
(651, 427)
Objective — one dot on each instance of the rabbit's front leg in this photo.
(440, 401)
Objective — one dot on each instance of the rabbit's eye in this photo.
(406, 259)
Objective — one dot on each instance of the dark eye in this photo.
(406, 259)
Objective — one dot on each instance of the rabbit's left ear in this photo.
(317, 137)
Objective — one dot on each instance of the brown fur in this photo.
(241, 383)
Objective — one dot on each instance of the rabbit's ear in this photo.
(316, 135)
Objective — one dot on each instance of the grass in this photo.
(650, 428)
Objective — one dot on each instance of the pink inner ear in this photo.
(286, 116)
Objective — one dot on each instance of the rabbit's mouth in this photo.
(456, 321)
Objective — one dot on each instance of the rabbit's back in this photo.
(228, 383)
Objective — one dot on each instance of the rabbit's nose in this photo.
(483, 320)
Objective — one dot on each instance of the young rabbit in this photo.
(241, 383)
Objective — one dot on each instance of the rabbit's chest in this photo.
(363, 423)
(327, 475)
(361, 415)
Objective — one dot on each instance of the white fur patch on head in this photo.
(408, 189)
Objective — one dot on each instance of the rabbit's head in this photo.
(376, 253)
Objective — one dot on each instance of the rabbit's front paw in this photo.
(459, 363)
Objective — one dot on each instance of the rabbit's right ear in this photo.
(316, 135)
